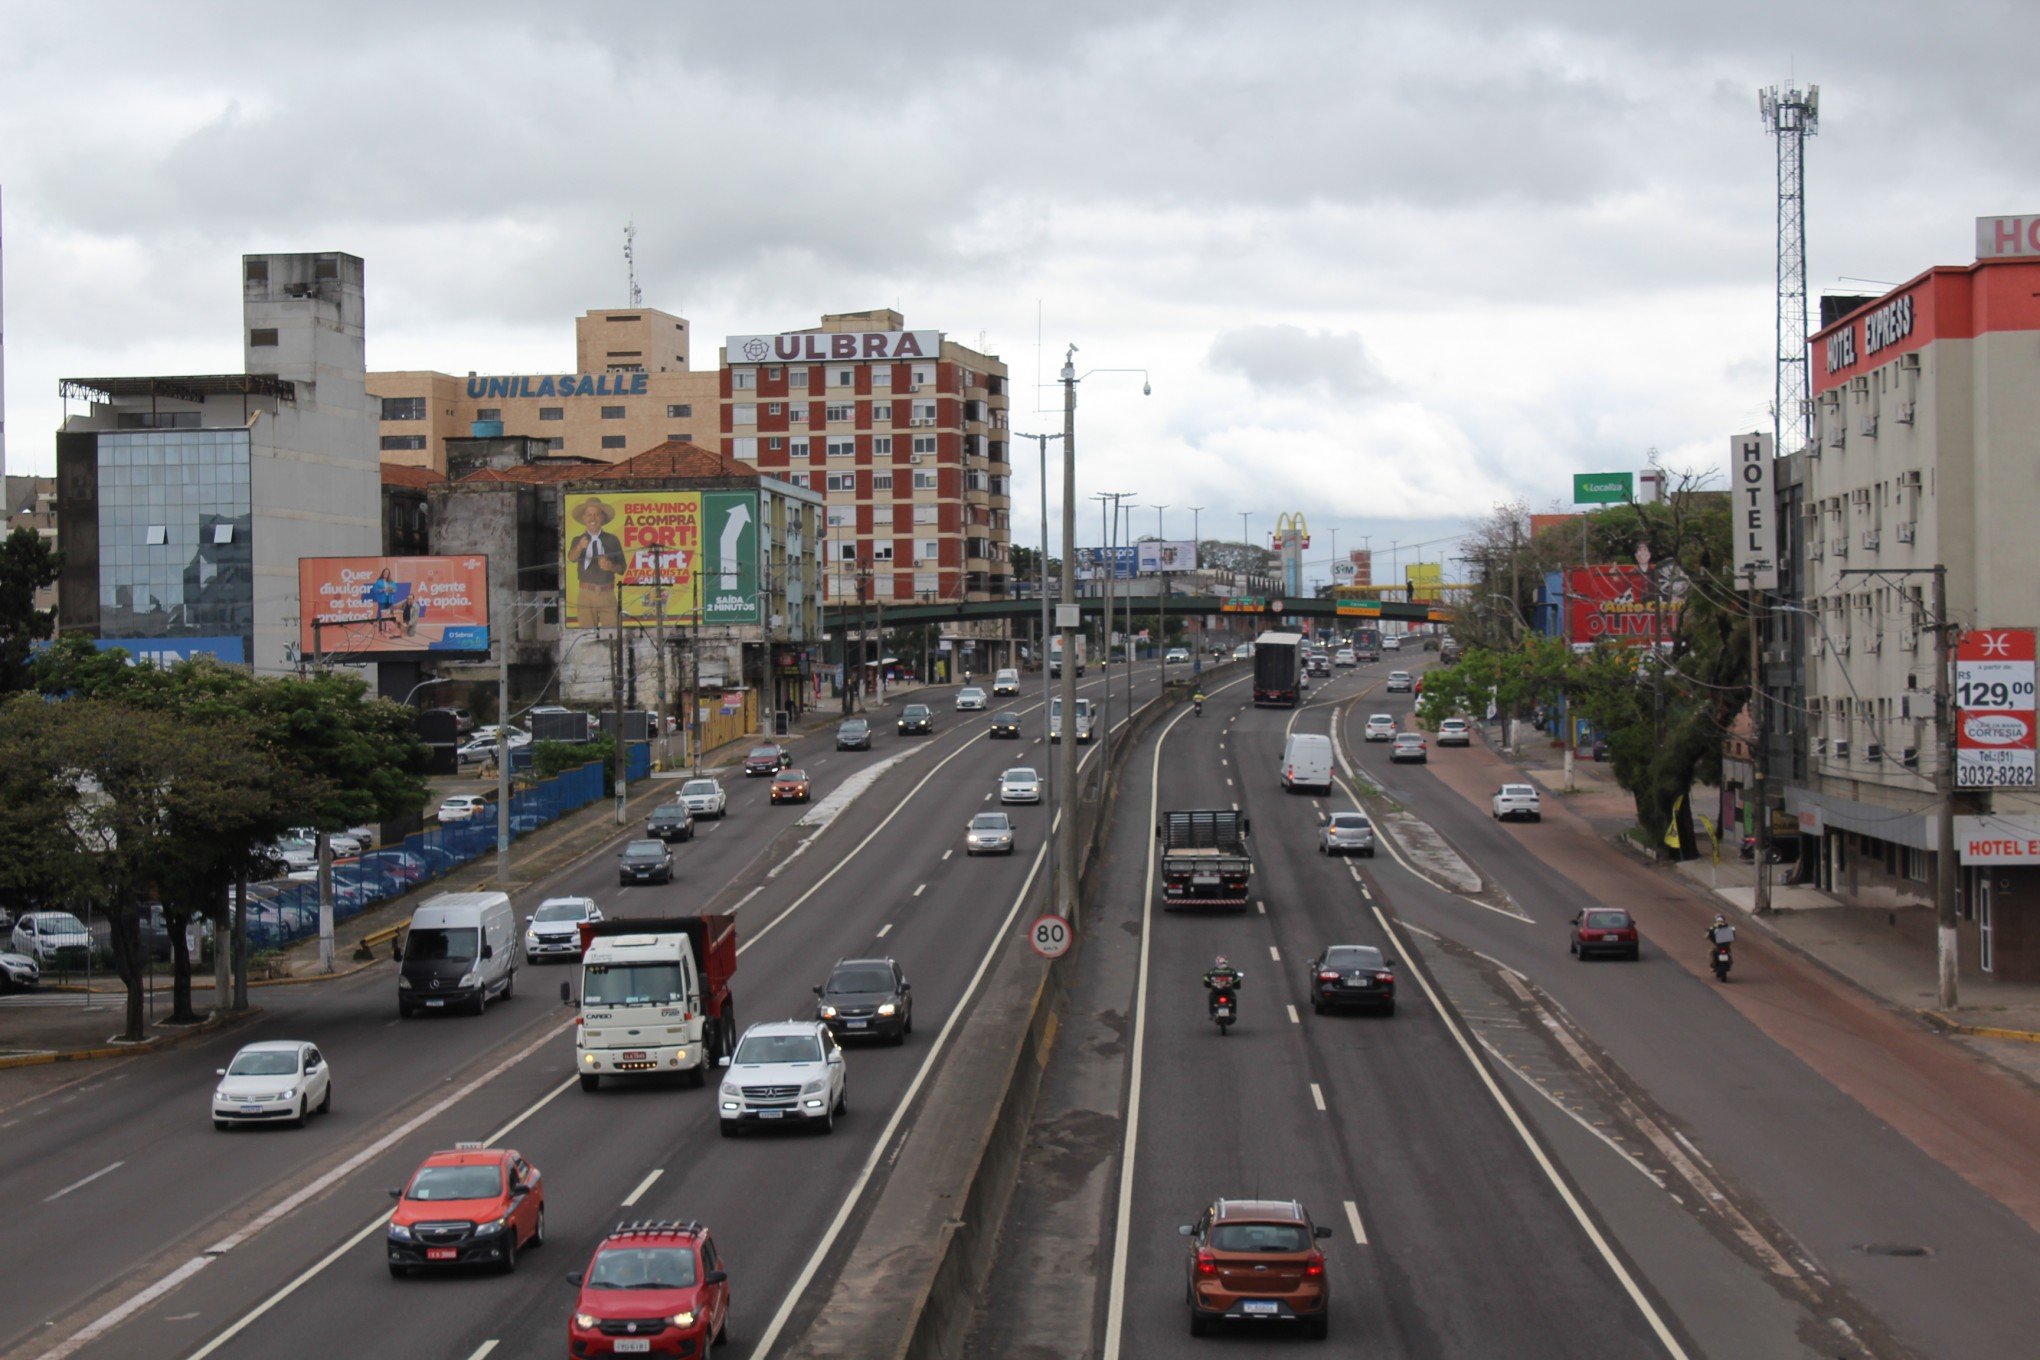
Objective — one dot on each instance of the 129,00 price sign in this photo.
(1994, 709)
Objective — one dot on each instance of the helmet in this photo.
(1220, 962)
(1719, 919)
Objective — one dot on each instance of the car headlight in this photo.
(828, 1012)
(887, 1009)
(399, 1233)
(490, 1229)
(729, 1088)
(403, 983)
(813, 1086)
(470, 978)
(585, 1321)
(683, 1319)
(289, 1092)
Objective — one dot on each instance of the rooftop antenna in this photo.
(1791, 115)
(637, 294)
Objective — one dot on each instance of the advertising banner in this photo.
(624, 548)
(1091, 563)
(1994, 747)
(393, 606)
(1426, 580)
(1603, 488)
(1614, 604)
(1157, 554)
(1754, 511)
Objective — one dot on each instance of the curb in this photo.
(211, 1024)
(1940, 1021)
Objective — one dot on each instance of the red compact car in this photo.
(471, 1206)
(1606, 930)
(655, 1288)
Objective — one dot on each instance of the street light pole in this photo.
(1161, 601)
(1041, 575)
(1196, 572)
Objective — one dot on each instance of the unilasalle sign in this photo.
(1994, 738)
(366, 606)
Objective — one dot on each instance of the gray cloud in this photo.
(1289, 359)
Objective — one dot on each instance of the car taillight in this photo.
(1206, 1265)
(1384, 977)
(1315, 1265)
(1328, 977)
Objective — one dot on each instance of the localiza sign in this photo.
(792, 347)
(1994, 746)
(1754, 511)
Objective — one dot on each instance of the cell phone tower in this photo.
(637, 294)
(1791, 115)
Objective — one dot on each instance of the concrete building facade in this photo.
(184, 503)
(1927, 431)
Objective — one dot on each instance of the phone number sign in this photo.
(1994, 712)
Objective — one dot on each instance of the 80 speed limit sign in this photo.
(1050, 936)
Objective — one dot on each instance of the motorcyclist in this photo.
(1223, 976)
(1197, 702)
(1721, 933)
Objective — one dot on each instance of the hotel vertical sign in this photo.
(1754, 511)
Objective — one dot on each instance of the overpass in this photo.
(1244, 608)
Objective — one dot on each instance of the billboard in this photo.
(624, 548)
(393, 606)
(1754, 511)
(1092, 563)
(1603, 488)
(164, 652)
(1614, 604)
(1426, 580)
(1994, 746)
(1157, 554)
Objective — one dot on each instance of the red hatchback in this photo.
(1606, 930)
(471, 1206)
(654, 1288)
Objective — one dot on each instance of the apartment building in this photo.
(903, 432)
(632, 388)
(1927, 432)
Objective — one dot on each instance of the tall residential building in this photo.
(904, 432)
(184, 503)
(1927, 432)
(631, 389)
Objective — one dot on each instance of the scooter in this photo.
(1223, 1005)
(1722, 961)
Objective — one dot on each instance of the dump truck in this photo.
(655, 997)
(1205, 860)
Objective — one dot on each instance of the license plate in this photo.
(633, 1057)
(771, 1114)
(435, 1003)
(440, 1253)
(856, 1024)
(1224, 1012)
(1204, 882)
(251, 1109)
(1259, 1306)
(632, 1345)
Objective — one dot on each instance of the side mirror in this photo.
(723, 1061)
(818, 989)
(219, 1071)
(1188, 1230)
(1387, 962)
(488, 951)
(396, 1194)
(716, 1277)
(1322, 1231)
(1246, 826)
(396, 951)
(574, 1278)
(906, 987)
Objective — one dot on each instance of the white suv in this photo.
(1517, 800)
(704, 798)
(1380, 727)
(1455, 732)
(784, 1071)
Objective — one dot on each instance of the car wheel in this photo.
(1636, 954)
(828, 1121)
(1198, 1326)
(697, 1076)
(482, 999)
(222, 1125)
(843, 1099)
(1320, 1328)
(1322, 849)
(397, 1271)
(1572, 946)
(303, 1109)
(591, 1081)
(1389, 1008)
(326, 1100)
(405, 1012)
(510, 984)
(538, 1228)
(729, 1128)
(509, 1261)
(1536, 816)
(908, 1027)
(1317, 1004)
(1369, 852)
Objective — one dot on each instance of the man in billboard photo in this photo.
(598, 561)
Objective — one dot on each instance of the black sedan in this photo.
(1005, 726)
(645, 862)
(671, 822)
(866, 997)
(853, 734)
(1351, 975)
(918, 718)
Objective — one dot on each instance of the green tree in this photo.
(27, 565)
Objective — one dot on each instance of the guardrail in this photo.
(365, 950)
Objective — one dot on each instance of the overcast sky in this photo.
(1386, 264)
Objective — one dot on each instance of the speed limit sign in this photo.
(1050, 936)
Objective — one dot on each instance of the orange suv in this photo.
(1257, 1260)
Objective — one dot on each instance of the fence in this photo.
(282, 913)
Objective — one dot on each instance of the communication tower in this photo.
(1791, 115)
(637, 294)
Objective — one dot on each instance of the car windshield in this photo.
(793, 776)
(699, 786)
(973, 693)
(1349, 821)
(265, 1063)
(1260, 1237)
(779, 1048)
(1518, 791)
(560, 911)
(1353, 956)
(860, 980)
(644, 850)
(1410, 739)
(671, 812)
(1607, 920)
(1006, 717)
(765, 753)
(1453, 722)
(631, 984)
(643, 1268)
(915, 711)
(854, 725)
(456, 1182)
(989, 821)
(59, 923)
(436, 943)
(1023, 775)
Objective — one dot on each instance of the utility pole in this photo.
(659, 551)
(1947, 955)
(1068, 612)
(1762, 815)
(1109, 566)
(616, 687)
(1041, 649)
(503, 761)
(1197, 577)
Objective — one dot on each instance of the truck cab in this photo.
(655, 997)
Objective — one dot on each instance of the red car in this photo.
(1606, 930)
(471, 1206)
(654, 1288)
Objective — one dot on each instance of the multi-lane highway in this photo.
(138, 1231)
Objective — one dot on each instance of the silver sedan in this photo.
(990, 833)
(1346, 833)
(1020, 785)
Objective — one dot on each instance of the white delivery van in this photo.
(1006, 681)
(1083, 720)
(460, 949)
(1307, 762)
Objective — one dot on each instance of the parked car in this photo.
(1455, 732)
(1408, 747)
(1005, 726)
(47, 936)
(1020, 785)
(1605, 930)
(705, 798)
(1257, 1261)
(989, 833)
(867, 998)
(554, 930)
(644, 862)
(1351, 975)
(1517, 800)
(792, 786)
(275, 1081)
(18, 972)
(768, 759)
(918, 719)
(463, 807)
(474, 1205)
(853, 734)
(1380, 727)
(1347, 833)
(784, 1072)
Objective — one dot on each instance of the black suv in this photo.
(866, 997)
(673, 822)
(853, 734)
(917, 718)
(645, 862)
(1007, 725)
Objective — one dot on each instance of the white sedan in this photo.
(463, 807)
(704, 798)
(1455, 732)
(278, 1080)
(970, 697)
(1020, 785)
(1380, 727)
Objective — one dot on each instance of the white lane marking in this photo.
(827, 1243)
(650, 1176)
(988, 798)
(483, 1349)
(1354, 872)
(1317, 1097)
(947, 853)
(1274, 953)
(310, 1272)
(1228, 781)
(106, 1322)
(1383, 838)
(1353, 1222)
(1536, 1149)
(885, 930)
(1571, 1114)
(548, 1098)
(1294, 1018)
(1261, 908)
(921, 889)
(103, 1171)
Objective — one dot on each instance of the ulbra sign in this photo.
(822, 347)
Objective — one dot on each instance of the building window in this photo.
(924, 443)
(881, 481)
(614, 412)
(881, 410)
(927, 582)
(679, 439)
(555, 445)
(403, 408)
(842, 481)
(403, 441)
(156, 535)
(924, 481)
(797, 378)
(797, 446)
(262, 337)
(745, 413)
(612, 441)
(924, 411)
(841, 411)
(544, 413)
(488, 413)
(925, 514)
(773, 373)
(923, 374)
(881, 375)
(881, 515)
(775, 443)
(799, 479)
(745, 447)
(882, 445)
(258, 271)
(157, 420)
(681, 412)
(842, 448)
(843, 377)
(743, 379)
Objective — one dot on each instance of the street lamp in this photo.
(1197, 583)
(1041, 575)
(1068, 615)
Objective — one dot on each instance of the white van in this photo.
(460, 949)
(1307, 762)
(1083, 720)
(1006, 681)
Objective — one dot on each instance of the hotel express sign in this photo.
(820, 347)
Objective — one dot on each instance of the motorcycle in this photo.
(1223, 1007)
(1197, 707)
(1722, 961)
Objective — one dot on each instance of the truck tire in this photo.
(591, 1081)
(698, 1076)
